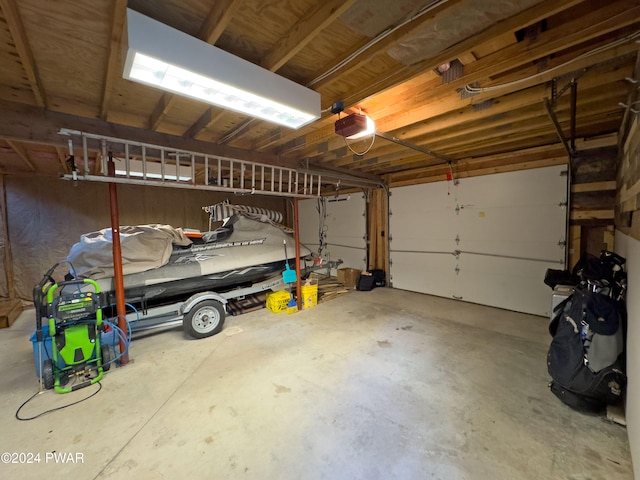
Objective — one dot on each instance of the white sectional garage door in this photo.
(488, 240)
(343, 222)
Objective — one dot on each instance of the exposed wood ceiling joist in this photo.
(65, 58)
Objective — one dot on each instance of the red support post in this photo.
(117, 261)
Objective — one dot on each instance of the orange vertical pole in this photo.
(117, 260)
(296, 231)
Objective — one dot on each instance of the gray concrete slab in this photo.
(371, 385)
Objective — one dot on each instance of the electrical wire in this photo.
(373, 139)
(321, 208)
(622, 41)
(379, 38)
(17, 415)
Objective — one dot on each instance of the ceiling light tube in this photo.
(166, 58)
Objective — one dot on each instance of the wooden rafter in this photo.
(62, 158)
(211, 116)
(453, 119)
(305, 30)
(161, 109)
(12, 17)
(22, 153)
(299, 35)
(43, 129)
(117, 27)
(357, 58)
(535, 14)
(219, 17)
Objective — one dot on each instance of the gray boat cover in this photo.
(143, 247)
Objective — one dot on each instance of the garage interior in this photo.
(506, 143)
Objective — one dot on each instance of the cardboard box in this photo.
(349, 276)
(9, 311)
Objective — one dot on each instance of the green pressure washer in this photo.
(78, 359)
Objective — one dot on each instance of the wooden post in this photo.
(8, 264)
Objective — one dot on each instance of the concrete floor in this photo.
(385, 384)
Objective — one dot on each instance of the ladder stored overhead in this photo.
(146, 164)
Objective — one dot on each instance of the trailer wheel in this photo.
(204, 319)
(47, 374)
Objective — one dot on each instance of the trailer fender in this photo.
(196, 298)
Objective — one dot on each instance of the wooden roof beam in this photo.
(404, 112)
(528, 17)
(210, 116)
(62, 159)
(115, 42)
(161, 109)
(444, 121)
(305, 30)
(22, 153)
(298, 36)
(217, 20)
(219, 17)
(12, 17)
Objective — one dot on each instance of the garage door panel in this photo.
(523, 188)
(344, 226)
(507, 283)
(506, 230)
(425, 219)
(416, 243)
(433, 273)
(512, 223)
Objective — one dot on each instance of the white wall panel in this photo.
(502, 231)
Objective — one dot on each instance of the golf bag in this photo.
(586, 358)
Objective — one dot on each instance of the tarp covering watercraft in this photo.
(243, 250)
(143, 247)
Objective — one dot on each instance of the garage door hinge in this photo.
(457, 269)
(457, 239)
(563, 204)
(562, 243)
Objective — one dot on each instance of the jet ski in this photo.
(162, 264)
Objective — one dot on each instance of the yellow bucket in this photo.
(309, 295)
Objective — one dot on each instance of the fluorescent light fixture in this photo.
(153, 170)
(166, 58)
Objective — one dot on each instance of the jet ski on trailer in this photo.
(173, 277)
